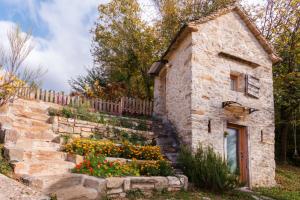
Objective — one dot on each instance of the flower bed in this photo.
(98, 166)
(110, 149)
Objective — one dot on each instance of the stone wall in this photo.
(79, 128)
(113, 187)
(211, 87)
(178, 90)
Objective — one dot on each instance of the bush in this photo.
(207, 170)
(98, 166)
(83, 146)
(156, 168)
(5, 167)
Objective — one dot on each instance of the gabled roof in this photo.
(191, 27)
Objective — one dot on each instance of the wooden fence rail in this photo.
(125, 105)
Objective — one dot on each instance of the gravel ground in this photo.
(13, 190)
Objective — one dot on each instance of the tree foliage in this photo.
(174, 13)
(124, 46)
(280, 24)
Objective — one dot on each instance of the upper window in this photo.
(233, 82)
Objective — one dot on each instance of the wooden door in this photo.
(237, 151)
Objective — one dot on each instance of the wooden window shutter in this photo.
(252, 86)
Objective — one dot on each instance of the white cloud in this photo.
(65, 51)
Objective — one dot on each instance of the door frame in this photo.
(243, 152)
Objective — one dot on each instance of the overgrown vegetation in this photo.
(288, 178)
(5, 167)
(207, 170)
(83, 112)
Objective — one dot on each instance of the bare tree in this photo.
(13, 72)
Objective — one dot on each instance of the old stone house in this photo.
(214, 84)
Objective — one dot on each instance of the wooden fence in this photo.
(124, 106)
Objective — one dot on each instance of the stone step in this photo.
(172, 157)
(44, 155)
(67, 186)
(165, 141)
(34, 144)
(52, 183)
(15, 154)
(51, 167)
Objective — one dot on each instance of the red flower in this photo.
(78, 166)
(91, 170)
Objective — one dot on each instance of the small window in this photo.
(233, 82)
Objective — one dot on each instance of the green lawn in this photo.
(189, 195)
(288, 179)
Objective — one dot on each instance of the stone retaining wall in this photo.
(80, 128)
(113, 187)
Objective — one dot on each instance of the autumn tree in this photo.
(280, 24)
(124, 47)
(14, 74)
(174, 13)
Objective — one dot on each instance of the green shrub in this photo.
(156, 168)
(5, 167)
(206, 169)
(54, 112)
(134, 194)
(67, 112)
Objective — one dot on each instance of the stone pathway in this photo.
(33, 149)
(13, 190)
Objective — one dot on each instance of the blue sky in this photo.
(61, 34)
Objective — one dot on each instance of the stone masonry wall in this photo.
(211, 87)
(178, 90)
(79, 128)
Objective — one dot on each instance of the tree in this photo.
(14, 74)
(174, 13)
(124, 47)
(280, 24)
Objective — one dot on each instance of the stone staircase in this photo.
(32, 148)
(166, 138)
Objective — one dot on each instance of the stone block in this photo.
(85, 129)
(174, 181)
(70, 120)
(97, 184)
(161, 183)
(143, 186)
(184, 181)
(77, 130)
(115, 191)
(126, 184)
(74, 158)
(14, 154)
(10, 136)
(66, 182)
(86, 134)
(114, 182)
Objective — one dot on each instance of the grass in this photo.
(5, 167)
(189, 195)
(288, 179)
